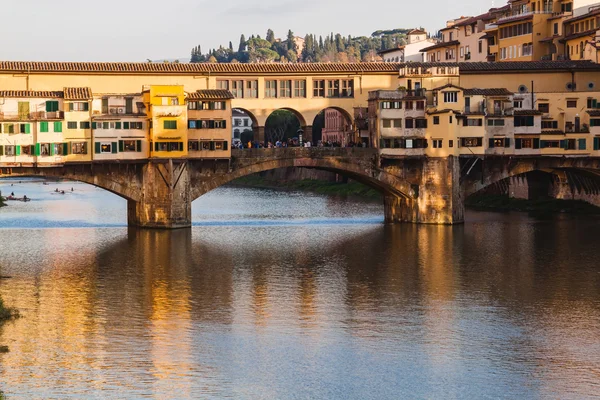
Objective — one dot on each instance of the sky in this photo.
(137, 30)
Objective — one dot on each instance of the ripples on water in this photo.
(286, 295)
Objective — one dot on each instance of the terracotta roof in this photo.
(594, 113)
(520, 66)
(591, 32)
(447, 85)
(528, 112)
(487, 92)
(416, 32)
(78, 93)
(390, 50)
(209, 94)
(583, 16)
(444, 111)
(115, 67)
(515, 19)
(441, 45)
(30, 93)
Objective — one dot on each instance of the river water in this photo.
(277, 295)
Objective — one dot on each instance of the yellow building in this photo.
(209, 115)
(77, 136)
(167, 113)
(580, 36)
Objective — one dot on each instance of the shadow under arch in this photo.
(383, 182)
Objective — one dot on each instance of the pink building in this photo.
(336, 128)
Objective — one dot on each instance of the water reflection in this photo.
(504, 306)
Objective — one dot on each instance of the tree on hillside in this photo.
(242, 46)
(259, 50)
(270, 36)
(291, 41)
(212, 59)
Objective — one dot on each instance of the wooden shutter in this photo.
(156, 146)
(57, 126)
(491, 143)
(51, 148)
(225, 145)
(1, 150)
(507, 142)
(597, 143)
(71, 107)
(536, 143)
(113, 148)
(518, 143)
(212, 145)
(94, 125)
(65, 149)
(27, 128)
(121, 146)
(118, 125)
(138, 146)
(125, 125)
(32, 150)
(37, 151)
(17, 150)
(582, 144)
(97, 148)
(44, 126)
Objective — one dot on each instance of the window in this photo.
(128, 146)
(300, 88)
(524, 120)
(270, 89)
(571, 103)
(223, 85)
(170, 124)
(57, 126)
(60, 149)
(192, 105)
(450, 143)
(84, 125)
(319, 88)
(333, 88)
(106, 148)
(549, 124)
(79, 106)
(192, 124)
(420, 123)
(550, 144)
(450, 97)
(45, 149)
(78, 148)
(397, 123)
(495, 122)
(420, 105)
(347, 87)
(472, 122)
(237, 89)
(471, 142)
(26, 150)
(387, 123)
(193, 145)
(220, 124)
(592, 103)
(24, 128)
(556, 29)
(437, 143)
(480, 44)
(409, 105)
(499, 142)
(44, 127)
(9, 150)
(544, 107)
(251, 89)
(518, 104)
(71, 125)
(136, 125)
(450, 118)
(527, 49)
(285, 88)
(436, 120)
(51, 106)
(409, 123)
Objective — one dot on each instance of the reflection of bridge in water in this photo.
(415, 189)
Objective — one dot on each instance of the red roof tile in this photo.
(30, 94)
(210, 95)
(81, 93)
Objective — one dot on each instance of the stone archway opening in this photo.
(244, 127)
(333, 127)
(285, 125)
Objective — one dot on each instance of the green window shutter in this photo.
(27, 128)
(121, 145)
(507, 142)
(17, 150)
(57, 126)
(180, 146)
(44, 126)
(49, 106)
(582, 144)
(114, 147)
(51, 149)
(125, 125)
(32, 150)
(37, 151)
(97, 147)
(1, 150)
(156, 146)
(597, 143)
(71, 107)
(491, 143)
(94, 125)
(381, 143)
(225, 145)
(65, 149)
(138, 145)
(224, 124)
(86, 106)
(536, 143)
(517, 143)
(118, 125)
(212, 145)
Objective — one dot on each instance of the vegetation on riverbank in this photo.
(2, 203)
(311, 185)
(6, 314)
(504, 203)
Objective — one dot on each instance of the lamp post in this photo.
(299, 132)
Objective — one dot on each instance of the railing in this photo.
(32, 116)
(303, 152)
(523, 14)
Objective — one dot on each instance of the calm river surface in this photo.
(275, 295)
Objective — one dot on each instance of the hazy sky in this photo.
(135, 30)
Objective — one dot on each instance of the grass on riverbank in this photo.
(2, 203)
(311, 185)
(6, 314)
(504, 203)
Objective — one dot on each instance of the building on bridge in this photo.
(209, 115)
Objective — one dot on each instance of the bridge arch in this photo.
(279, 125)
(333, 124)
(380, 180)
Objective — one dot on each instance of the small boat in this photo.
(23, 199)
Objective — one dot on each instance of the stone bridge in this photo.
(415, 189)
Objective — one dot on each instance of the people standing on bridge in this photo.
(249, 144)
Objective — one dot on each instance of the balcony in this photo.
(570, 128)
(34, 116)
(477, 109)
(524, 13)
